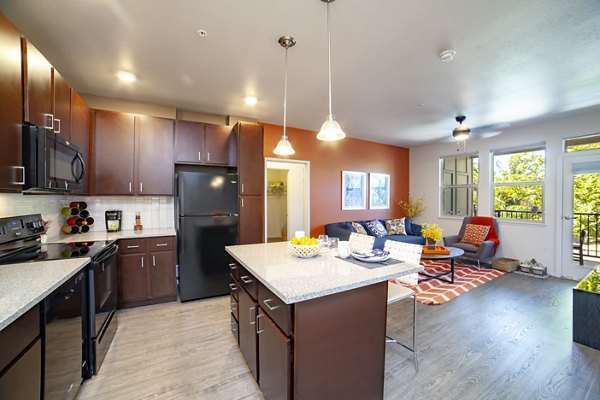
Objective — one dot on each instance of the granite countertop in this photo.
(103, 235)
(24, 285)
(295, 279)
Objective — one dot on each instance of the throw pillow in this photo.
(475, 234)
(376, 228)
(408, 226)
(395, 226)
(358, 228)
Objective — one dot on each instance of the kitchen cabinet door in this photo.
(61, 106)
(163, 283)
(11, 109)
(37, 81)
(247, 331)
(23, 379)
(251, 219)
(155, 167)
(216, 144)
(113, 152)
(189, 138)
(275, 359)
(80, 133)
(251, 168)
(132, 277)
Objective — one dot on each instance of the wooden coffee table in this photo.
(454, 254)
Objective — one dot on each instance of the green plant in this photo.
(431, 231)
(411, 207)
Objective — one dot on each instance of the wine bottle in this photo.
(84, 213)
(84, 228)
(82, 205)
(68, 211)
(69, 229)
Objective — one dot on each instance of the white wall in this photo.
(519, 240)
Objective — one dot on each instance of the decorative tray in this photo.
(374, 255)
(441, 250)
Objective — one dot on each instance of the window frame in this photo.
(541, 184)
(472, 188)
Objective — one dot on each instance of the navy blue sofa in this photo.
(343, 230)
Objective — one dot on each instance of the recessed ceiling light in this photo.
(447, 55)
(126, 76)
(250, 100)
(201, 32)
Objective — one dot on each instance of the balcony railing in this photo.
(519, 214)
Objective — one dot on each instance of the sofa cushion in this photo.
(395, 226)
(358, 228)
(475, 234)
(376, 228)
(408, 226)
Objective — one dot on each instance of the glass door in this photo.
(581, 215)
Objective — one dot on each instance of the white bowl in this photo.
(304, 250)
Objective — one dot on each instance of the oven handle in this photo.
(80, 177)
(108, 254)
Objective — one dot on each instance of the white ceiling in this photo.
(517, 61)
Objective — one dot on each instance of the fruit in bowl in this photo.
(304, 247)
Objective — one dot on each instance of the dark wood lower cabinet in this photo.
(132, 278)
(163, 282)
(247, 331)
(274, 359)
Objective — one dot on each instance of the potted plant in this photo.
(432, 234)
(411, 207)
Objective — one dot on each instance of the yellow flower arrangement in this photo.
(432, 231)
(411, 207)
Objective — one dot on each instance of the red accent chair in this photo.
(486, 251)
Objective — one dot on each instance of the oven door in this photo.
(65, 163)
(105, 287)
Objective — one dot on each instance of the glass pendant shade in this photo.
(284, 147)
(330, 130)
(461, 132)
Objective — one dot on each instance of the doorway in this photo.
(287, 198)
(580, 216)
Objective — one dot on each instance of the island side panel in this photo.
(339, 349)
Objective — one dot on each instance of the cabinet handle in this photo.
(207, 156)
(58, 124)
(22, 181)
(233, 306)
(161, 244)
(258, 330)
(233, 327)
(266, 303)
(233, 287)
(129, 187)
(129, 246)
(232, 266)
(153, 261)
(51, 119)
(245, 279)
(252, 319)
(142, 261)
(199, 156)
(242, 188)
(242, 203)
(141, 187)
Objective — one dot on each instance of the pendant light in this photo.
(284, 147)
(330, 130)
(461, 132)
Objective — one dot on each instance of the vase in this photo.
(430, 244)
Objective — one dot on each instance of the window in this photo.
(519, 184)
(459, 179)
(583, 143)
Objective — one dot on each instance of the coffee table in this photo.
(454, 254)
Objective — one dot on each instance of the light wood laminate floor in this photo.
(508, 339)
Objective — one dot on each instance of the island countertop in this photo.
(294, 279)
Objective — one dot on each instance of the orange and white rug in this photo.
(466, 277)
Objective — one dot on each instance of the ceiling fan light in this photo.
(461, 132)
(284, 147)
(331, 130)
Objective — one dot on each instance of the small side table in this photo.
(454, 254)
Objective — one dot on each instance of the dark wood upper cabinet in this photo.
(61, 105)
(11, 109)
(200, 143)
(250, 160)
(80, 132)
(114, 135)
(155, 167)
(37, 87)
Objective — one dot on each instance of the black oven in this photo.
(51, 162)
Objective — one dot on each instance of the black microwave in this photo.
(52, 164)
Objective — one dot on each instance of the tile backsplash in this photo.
(156, 212)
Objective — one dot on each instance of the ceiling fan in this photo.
(463, 131)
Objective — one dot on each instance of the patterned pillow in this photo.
(358, 228)
(395, 226)
(376, 228)
(475, 234)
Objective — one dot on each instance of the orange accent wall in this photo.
(329, 159)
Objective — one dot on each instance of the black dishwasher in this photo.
(63, 346)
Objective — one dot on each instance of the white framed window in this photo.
(582, 143)
(518, 183)
(459, 178)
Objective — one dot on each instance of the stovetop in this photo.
(33, 250)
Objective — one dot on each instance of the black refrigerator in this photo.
(207, 221)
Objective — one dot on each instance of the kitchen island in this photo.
(311, 328)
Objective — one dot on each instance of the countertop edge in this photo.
(104, 235)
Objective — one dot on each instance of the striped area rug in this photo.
(466, 277)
